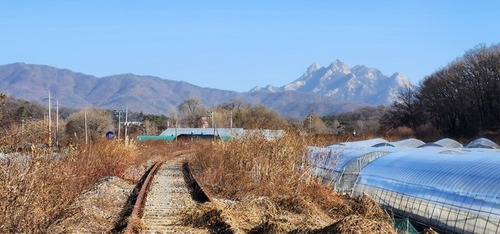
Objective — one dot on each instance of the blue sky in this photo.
(236, 45)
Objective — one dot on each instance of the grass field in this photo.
(258, 184)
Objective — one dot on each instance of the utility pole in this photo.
(22, 127)
(50, 121)
(119, 123)
(86, 129)
(126, 125)
(119, 113)
(176, 117)
(231, 122)
(309, 118)
(126, 121)
(57, 123)
(50, 125)
(212, 117)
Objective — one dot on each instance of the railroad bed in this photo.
(168, 197)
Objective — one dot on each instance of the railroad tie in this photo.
(168, 197)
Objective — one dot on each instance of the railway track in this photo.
(167, 193)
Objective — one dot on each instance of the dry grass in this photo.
(21, 136)
(264, 186)
(356, 224)
(95, 211)
(31, 195)
(38, 185)
(251, 166)
(206, 216)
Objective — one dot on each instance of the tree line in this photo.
(23, 122)
(26, 121)
(192, 113)
(461, 99)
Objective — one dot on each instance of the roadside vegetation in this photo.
(38, 186)
(45, 180)
(264, 186)
(261, 185)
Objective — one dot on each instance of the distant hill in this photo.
(160, 96)
(140, 93)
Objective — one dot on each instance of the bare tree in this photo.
(98, 123)
(364, 120)
(463, 97)
(191, 112)
(313, 124)
(150, 128)
(229, 114)
(404, 111)
(258, 117)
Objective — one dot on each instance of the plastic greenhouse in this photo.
(444, 186)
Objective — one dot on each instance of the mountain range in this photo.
(326, 90)
(359, 84)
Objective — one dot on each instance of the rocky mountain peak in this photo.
(338, 66)
(314, 67)
(401, 79)
(359, 84)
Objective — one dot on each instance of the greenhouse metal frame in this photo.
(443, 185)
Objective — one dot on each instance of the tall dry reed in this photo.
(271, 187)
(252, 165)
(38, 186)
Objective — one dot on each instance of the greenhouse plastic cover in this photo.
(463, 182)
(444, 178)
(482, 143)
(445, 143)
(410, 143)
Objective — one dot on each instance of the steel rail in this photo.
(144, 189)
(140, 197)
